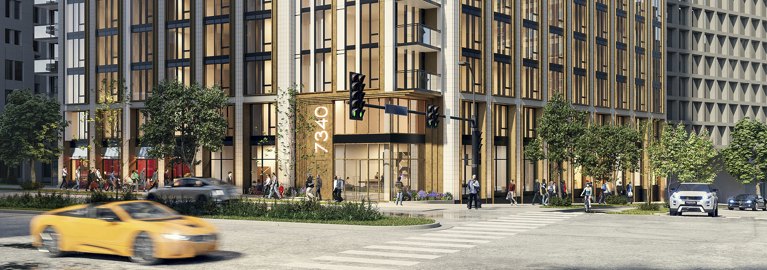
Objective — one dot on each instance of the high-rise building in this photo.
(606, 57)
(717, 69)
(21, 27)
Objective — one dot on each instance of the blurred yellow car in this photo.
(145, 231)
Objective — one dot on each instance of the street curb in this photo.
(436, 224)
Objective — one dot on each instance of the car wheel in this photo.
(202, 198)
(143, 250)
(49, 242)
(754, 208)
(741, 208)
(672, 213)
(729, 208)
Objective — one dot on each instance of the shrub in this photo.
(649, 207)
(448, 196)
(100, 197)
(621, 200)
(29, 185)
(557, 201)
(38, 201)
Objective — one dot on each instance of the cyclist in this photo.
(586, 194)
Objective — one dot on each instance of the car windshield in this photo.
(744, 197)
(147, 210)
(694, 187)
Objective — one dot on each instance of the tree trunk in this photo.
(32, 175)
(559, 181)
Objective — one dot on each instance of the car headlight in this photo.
(175, 236)
(217, 192)
(732, 201)
(748, 201)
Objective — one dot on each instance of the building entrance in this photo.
(372, 169)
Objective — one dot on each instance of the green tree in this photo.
(559, 130)
(746, 156)
(181, 120)
(605, 149)
(30, 127)
(689, 157)
(108, 119)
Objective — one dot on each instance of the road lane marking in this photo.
(314, 265)
(366, 260)
(430, 244)
(449, 240)
(448, 235)
(453, 230)
(490, 224)
(401, 248)
(392, 254)
(493, 229)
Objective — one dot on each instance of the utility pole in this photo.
(476, 135)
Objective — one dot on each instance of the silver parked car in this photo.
(196, 188)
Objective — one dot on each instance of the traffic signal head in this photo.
(432, 116)
(356, 96)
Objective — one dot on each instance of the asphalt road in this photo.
(495, 237)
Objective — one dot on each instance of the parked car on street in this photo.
(694, 197)
(747, 201)
(197, 189)
(145, 231)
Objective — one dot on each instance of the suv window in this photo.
(694, 187)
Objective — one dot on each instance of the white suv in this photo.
(694, 197)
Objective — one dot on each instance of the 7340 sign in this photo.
(321, 136)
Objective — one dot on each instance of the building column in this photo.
(237, 66)
(451, 48)
(198, 58)
(127, 120)
(389, 41)
(283, 52)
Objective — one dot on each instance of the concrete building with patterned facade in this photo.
(717, 69)
(606, 57)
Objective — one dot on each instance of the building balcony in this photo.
(423, 4)
(49, 4)
(418, 79)
(419, 37)
(46, 66)
(46, 32)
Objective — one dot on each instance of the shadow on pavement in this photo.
(217, 256)
(20, 266)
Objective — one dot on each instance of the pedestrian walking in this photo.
(318, 187)
(473, 187)
(399, 187)
(268, 187)
(629, 191)
(229, 178)
(276, 187)
(544, 193)
(142, 180)
(586, 194)
(552, 190)
(99, 180)
(112, 180)
(338, 186)
(134, 177)
(309, 188)
(536, 191)
(511, 196)
(605, 191)
(91, 178)
(77, 179)
(64, 183)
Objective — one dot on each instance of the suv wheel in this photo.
(672, 213)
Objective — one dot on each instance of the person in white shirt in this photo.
(268, 187)
(63, 179)
(473, 187)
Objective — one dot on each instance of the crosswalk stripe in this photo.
(430, 244)
(314, 265)
(515, 222)
(535, 218)
(478, 232)
(392, 254)
(448, 235)
(449, 240)
(493, 229)
(504, 225)
(401, 248)
(366, 260)
(523, 220)
(550, 214)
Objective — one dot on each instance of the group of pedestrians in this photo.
(545, 191)
(95, 180)
(273, 188)
(313, 187)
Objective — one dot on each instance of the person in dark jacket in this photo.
(318, 187)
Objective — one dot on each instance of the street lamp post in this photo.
(475, 134)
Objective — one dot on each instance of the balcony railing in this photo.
(417, 33)
(418, 80)
(46, 31)
(46, 66)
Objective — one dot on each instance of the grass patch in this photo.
(385, 221)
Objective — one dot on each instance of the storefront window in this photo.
(222, 162)
(372, 169)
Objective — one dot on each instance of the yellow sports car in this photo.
(145, 231)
